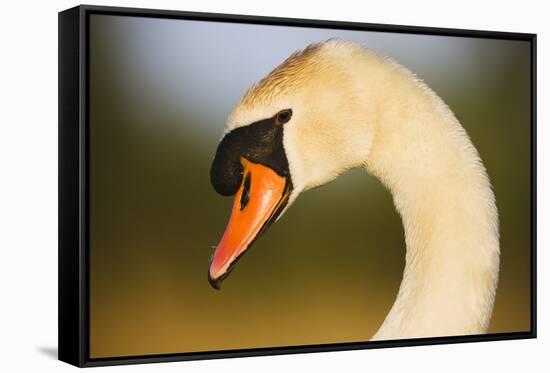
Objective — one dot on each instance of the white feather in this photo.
(355, 108)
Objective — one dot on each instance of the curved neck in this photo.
(442, 192)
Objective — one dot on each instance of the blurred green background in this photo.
(329, 270)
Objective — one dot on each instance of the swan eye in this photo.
(283, 116)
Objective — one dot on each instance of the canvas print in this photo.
(262, 186)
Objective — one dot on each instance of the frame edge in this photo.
(69, 220)
(306, 22)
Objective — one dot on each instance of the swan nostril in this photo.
(245, 196)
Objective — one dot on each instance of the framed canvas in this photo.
(380, 180)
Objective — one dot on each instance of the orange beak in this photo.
(260, 199)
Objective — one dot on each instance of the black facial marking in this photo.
(260, 142)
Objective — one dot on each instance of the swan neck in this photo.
(442, 192)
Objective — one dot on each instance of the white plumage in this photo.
(354, 108)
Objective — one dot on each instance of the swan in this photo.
(337, 105)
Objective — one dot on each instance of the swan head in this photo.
(298, 128)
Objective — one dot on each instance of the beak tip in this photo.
(215, 282)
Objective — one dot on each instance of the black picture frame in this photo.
(74, 180)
